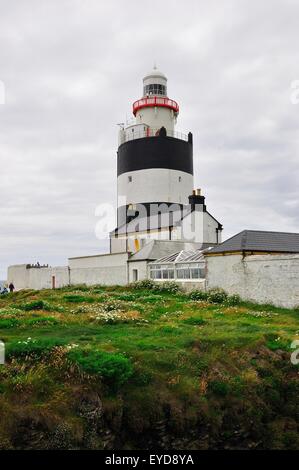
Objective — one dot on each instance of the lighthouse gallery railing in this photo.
(150, 132)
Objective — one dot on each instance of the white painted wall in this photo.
(109, 276)
(138, 240)
(198, 227)
(37, 278)
(118, 245)
(41, 278)
(101, 269)
(135, 131)
(98, 261)
(258, 278)
(141, 267)
(108, 269)
(18, 275)
(157, 117)
(155, 185)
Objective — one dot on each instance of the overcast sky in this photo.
(71, 71)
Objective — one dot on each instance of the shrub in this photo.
(37, 305)
(194, 321)
(9, 323)
(151, 299)
(167, 286)
(32, 347)
(114, 369)
(219, 387)
(42, 320)
(217, 296)
(142, 377)
(82, 287)
(113, 305)
(199, 295)
(168, 329)
(144, 284)
(170, 287)
(79, 298)
(10, 311)
(127, 297)
(34, 305)
(233, 300)
(274, 342)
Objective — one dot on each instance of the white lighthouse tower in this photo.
(155, 164)
(155, 169)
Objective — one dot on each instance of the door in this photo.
(53, 282)
(135, 275)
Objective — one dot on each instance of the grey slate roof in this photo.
(150, 223)
(258, 240)
(154, 222)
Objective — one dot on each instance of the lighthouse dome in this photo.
(155, 83)
(155, 73)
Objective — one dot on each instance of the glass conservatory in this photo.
(183, 265)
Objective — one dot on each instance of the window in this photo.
(135, 275)
(183, 273)
(190, 271)
(195, 273)
(130, 179)
(180, 179)
(180, 271)
(162, 271)
(155, 89)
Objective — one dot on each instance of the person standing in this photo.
(11, 287)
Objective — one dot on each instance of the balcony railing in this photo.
(149, 132)
(155, 101)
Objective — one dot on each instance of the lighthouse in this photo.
(155, 169)
(154, 162)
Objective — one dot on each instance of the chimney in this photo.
(197, 201)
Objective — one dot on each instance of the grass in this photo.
(150, 355)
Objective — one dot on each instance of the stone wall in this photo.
(258, 278)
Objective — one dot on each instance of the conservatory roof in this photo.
(156, 249)
(183, 256)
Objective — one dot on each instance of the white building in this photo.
(259, 266)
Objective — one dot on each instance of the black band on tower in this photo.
(155, 152)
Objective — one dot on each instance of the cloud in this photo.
(71, 70)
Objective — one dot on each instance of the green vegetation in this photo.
(32, 347)
(146, 366)
(115, 369)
